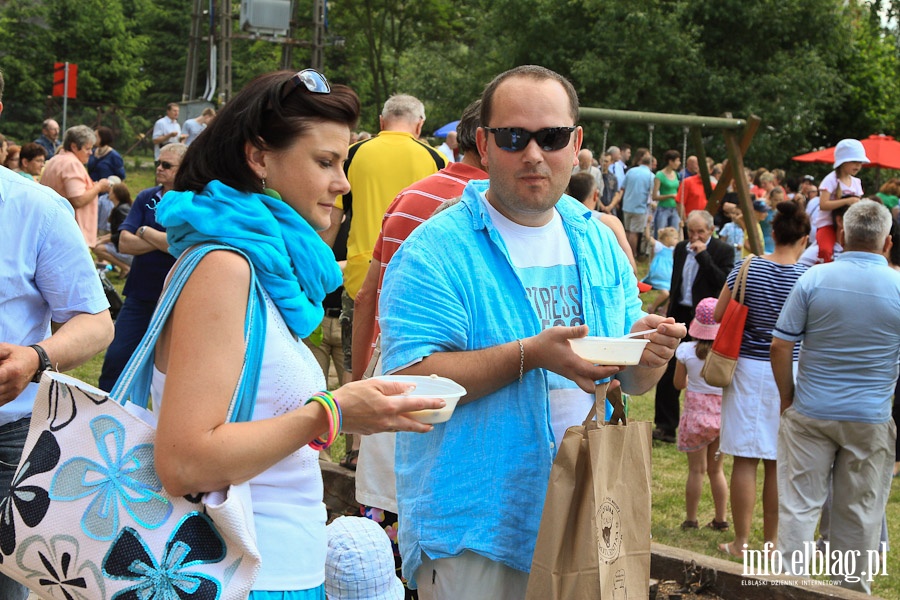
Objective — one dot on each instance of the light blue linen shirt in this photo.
(478, 481)
(847, 316)
(638, 186)
(46, 271)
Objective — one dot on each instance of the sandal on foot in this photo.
(726, 549)
(718, 525)
(349, 461)
(690, 525)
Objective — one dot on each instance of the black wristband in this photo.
(44, 363)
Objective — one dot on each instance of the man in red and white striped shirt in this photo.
(411, 208)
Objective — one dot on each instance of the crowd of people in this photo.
(477, 261)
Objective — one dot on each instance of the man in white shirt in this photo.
(449, 147)
(167, 130)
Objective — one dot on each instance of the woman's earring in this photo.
(263, 179)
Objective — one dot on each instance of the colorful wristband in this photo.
(335, 421)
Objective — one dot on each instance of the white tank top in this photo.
(287, 498)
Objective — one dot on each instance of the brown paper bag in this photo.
(594, 537)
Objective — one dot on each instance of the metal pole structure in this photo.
(318, 53)
(189, 91)
(224, 53)
(65, 95)
(630, 116)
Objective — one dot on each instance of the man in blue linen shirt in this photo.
(836, 423)
(46, 276)
(636, 196)
(471, 296)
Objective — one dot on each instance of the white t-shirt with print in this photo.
(544, 261)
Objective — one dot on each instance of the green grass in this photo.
(669, 476)
(139, 179)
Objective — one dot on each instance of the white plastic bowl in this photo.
(609, 351)
(431, 386)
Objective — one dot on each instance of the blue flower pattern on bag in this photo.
(194, 542)
(30, 501)
(126, 477)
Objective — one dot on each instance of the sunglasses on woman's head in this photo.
(515, 139)
(312, 80)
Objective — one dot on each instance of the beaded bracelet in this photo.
(334, 420)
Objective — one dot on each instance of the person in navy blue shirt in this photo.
(143, 237)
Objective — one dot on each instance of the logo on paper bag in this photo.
(609, 521)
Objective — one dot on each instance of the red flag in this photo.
(59, 78)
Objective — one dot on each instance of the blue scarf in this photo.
(295, 267)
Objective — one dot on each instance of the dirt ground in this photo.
(672, 590)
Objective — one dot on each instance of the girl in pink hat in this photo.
(698, 429)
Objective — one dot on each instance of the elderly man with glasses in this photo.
(488, 293)
(143, 237)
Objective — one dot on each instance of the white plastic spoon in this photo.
(638, 334)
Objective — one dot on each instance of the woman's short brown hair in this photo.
(270, 117)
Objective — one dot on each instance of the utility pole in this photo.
(318, 46)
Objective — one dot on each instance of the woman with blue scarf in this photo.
(261, 179)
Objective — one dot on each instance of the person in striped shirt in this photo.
(750, 405)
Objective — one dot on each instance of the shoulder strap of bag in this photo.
(740, 284)
(134, 383)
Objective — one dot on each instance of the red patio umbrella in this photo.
(882, 151)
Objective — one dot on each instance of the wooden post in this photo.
(697, 139)
(736, 161)
(712, 204)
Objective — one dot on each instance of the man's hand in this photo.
(697, 247)
(662, 344)
(638, 379)
(551, 350)
(18, 364)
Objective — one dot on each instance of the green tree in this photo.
(27, 71)
(94, 35)
(379, 32)
(167, 24)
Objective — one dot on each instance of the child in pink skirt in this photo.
(698, 429)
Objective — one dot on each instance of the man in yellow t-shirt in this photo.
(378, 169)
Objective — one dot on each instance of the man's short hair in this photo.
(647, 159)
(177, 149)
(404, 107)
(208, 112)
(534, 72)
(468, 125)
(46, 123)
(581, 186)
(702, 215)
(866, 225)
(171, 105)
(78, 135)
(612, 150)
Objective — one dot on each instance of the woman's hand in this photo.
(375, 406)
